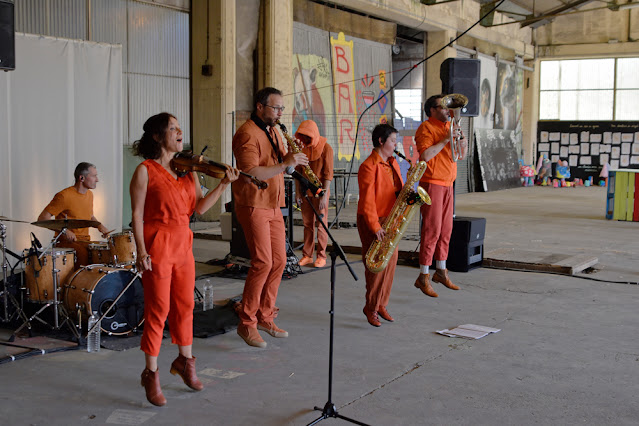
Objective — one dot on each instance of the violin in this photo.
(185, 162)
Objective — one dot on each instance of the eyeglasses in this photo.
(280, 109)
(439, 106)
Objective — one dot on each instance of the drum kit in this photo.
(109, 286)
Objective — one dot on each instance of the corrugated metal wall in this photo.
(155, 42)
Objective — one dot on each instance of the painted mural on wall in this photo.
(312, 82)
(506, 97)
(487, 89)
(345, 97)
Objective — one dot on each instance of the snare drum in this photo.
(94, 288)
(39, 273)
(99, 253)
(123, 250)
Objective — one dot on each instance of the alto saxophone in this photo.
(294, 147)
(395, 224)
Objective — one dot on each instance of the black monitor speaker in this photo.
(7, 36)
(462, 76)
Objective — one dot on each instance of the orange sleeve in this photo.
(246, 150)
(327, 170)
(57, 205)
(424, 138)
(367, 206)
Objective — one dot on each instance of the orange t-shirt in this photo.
(442, 170)
(252, 148)
(378, 181)
(70, 204)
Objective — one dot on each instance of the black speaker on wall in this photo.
(462, 76)
(7, 36)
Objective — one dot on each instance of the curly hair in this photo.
(148, 147)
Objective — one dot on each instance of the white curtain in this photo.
(61, 105)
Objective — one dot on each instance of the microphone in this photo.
(36, 241)
(317, 192)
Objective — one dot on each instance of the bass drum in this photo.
(94, 288)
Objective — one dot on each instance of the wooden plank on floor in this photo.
(538, 261)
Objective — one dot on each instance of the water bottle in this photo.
(208, 296)
(93, 337)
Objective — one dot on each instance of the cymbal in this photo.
(59, 224)
(6, 219)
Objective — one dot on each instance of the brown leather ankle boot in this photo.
(151, 383)
(185, 367)
(423, 283)
(441, 276)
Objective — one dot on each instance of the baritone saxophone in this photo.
(293, 146)
(395, 224)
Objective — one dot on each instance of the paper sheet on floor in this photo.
(469, 331)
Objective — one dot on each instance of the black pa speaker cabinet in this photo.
(466, 249)
(7, 36)
(462, 76)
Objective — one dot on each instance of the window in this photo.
(408, 108)
(589, 89)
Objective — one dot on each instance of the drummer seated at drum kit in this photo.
(76, 202)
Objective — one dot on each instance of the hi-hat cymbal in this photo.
(6, 219)
(59, 224)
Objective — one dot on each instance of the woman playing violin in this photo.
(162, 203)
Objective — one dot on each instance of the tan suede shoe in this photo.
(423, 283)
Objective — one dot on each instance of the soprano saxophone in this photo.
(294, 147)
(395, 224)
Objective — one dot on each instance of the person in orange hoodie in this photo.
(433, 143)
(320, 159)
(162, 204)
(379, 180)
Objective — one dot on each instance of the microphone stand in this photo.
(329, 409)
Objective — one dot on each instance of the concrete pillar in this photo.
(213, 43)
(530, 114)
(275, 48)
(435, 40)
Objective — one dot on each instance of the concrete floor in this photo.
(566, 353)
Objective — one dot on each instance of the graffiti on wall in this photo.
(345, 97)
(312, 85)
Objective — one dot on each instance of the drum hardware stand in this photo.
(57, 310)
(137, 275)
(329, 409)
(6, 296)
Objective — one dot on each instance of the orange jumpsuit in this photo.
(70, 204)
(320, 157)
(437, 180)
(169, 286)
(259, 213)
(378, 181)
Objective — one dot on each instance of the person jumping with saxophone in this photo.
(320, 160)
(433, 143)
(379, 179)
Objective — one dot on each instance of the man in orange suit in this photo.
(320, 160)
(379, 179)
(260, 152)
(433, 143)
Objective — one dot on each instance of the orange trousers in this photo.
(266, 238)
(378, 286)
(169, 286)
(310, 223)
(437, 223)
